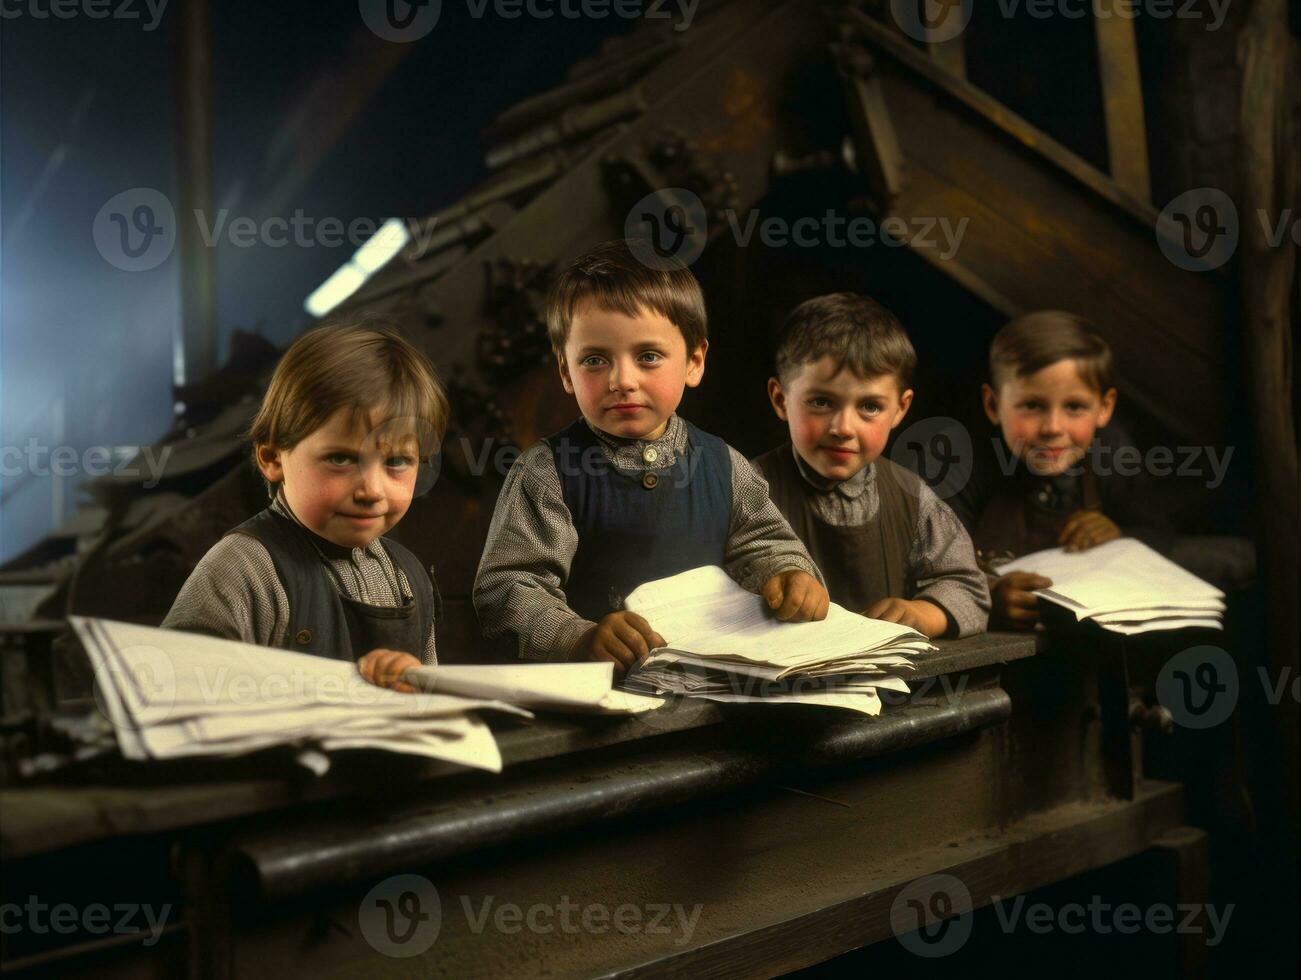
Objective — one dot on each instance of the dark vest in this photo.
(1016, 522)
(638, 527)
(323, 622)
(861, 563)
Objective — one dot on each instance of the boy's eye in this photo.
(399, 462)
(650, 357)
(338, 459)
(819, 402)
(869, 408)
(592, 360)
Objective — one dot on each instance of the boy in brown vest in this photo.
(1046, 483)
(887, 546)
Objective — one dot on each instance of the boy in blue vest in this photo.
(351, 411)
(630, 492)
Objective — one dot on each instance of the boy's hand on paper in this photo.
(384, 668)
(1087, 529)
(623, 637)
(1013, 602)
(925, 617)
(795, 596)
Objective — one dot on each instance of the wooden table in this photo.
(716, 840)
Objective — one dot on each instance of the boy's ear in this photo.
(778, 398)
(905, 403)
(989, 399)
(564, 374)
(696, 364)
(268, 461)
(1108, 406)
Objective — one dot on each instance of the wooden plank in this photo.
(781, 882)
(1122, 97)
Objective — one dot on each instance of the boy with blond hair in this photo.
(350, 413)
(631, 491)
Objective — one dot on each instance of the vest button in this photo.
(650, 480)
(650, 454)
(303, 637)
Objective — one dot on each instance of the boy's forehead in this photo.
(830, 374)
(354, 425)
(1060, 377)
(595, 325)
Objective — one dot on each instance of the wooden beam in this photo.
(1122, 98)
(1268, 165)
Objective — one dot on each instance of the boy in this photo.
(889, 548)
(1050, 393)
(350, 412)
(630, 492)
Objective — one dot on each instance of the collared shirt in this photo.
(941, 561)
(235, 592)
(519, 589)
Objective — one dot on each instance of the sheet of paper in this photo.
(1130, 629)
(1121, 574)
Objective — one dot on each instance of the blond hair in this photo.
(1032, 342)
(363, 366)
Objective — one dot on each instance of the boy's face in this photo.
(839, 422)
(1049, 418)
(628, 373)
(347, 483)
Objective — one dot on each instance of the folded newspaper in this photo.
(723, 644)
(170, 694)
(1125, 587)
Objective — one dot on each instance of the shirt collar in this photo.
(850, 488)
(674, 437)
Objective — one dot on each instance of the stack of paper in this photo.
(171, 694)
(1124, 586)
(724, 644)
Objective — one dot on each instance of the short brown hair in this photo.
(612, 277)
(360, 365)
(857, 331)
(1032, 342)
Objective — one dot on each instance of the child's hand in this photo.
(623, 637)
(383, 668)
(1087, 529)
(923, 616)
(795, 596)
(1012, 599)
